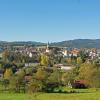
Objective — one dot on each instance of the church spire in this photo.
(47, 49)
(48, 45)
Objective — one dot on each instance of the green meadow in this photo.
(85, 94)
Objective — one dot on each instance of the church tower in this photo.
(47, 48)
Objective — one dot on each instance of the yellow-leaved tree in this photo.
(8, 73)
(79, 60)
(44, 60)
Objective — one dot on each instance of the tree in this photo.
(85, 70)
(5, 56)
(95, 79)
(91, 74)
(40, 74)
(54, 81)
(34, 86)
(44, 60)
(79, 60)
(20, 74)
(11, 58)
(29, 70)
(73, 59)
(8, 73)
(13, 83)
(83, 56)
(69, 76)
(69, 60)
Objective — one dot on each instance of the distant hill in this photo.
(78, 43)
(21, 43)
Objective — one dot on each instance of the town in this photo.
(32, 63)
(49, 49)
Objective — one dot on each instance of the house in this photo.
(65, 53)
(66, 67)
(80, 84)
(63, 67)
(75, 52)
(31, 64)
(93, 54)
(33, 54)
(30, 55)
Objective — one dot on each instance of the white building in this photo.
(30, 55)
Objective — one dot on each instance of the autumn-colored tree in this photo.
(91, 74)
(34, 86)
(69, 60)
(44, 60)
(40, 74)
(13, 82)
(67, 76)
(70, 76)
(20, 74)
(8, 73)
(6, 56)
(85, 70)
(79, 60)
(95, 78)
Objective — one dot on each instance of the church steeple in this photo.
(47, 48)
(48, 45)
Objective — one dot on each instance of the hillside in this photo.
(21, 43)
(78, 43)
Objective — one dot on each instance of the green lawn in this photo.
(94, 95)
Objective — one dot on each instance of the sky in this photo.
(49, 20)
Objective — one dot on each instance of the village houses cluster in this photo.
(92, 53)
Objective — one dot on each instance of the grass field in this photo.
(84, 95)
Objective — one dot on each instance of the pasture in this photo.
(85, 94)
